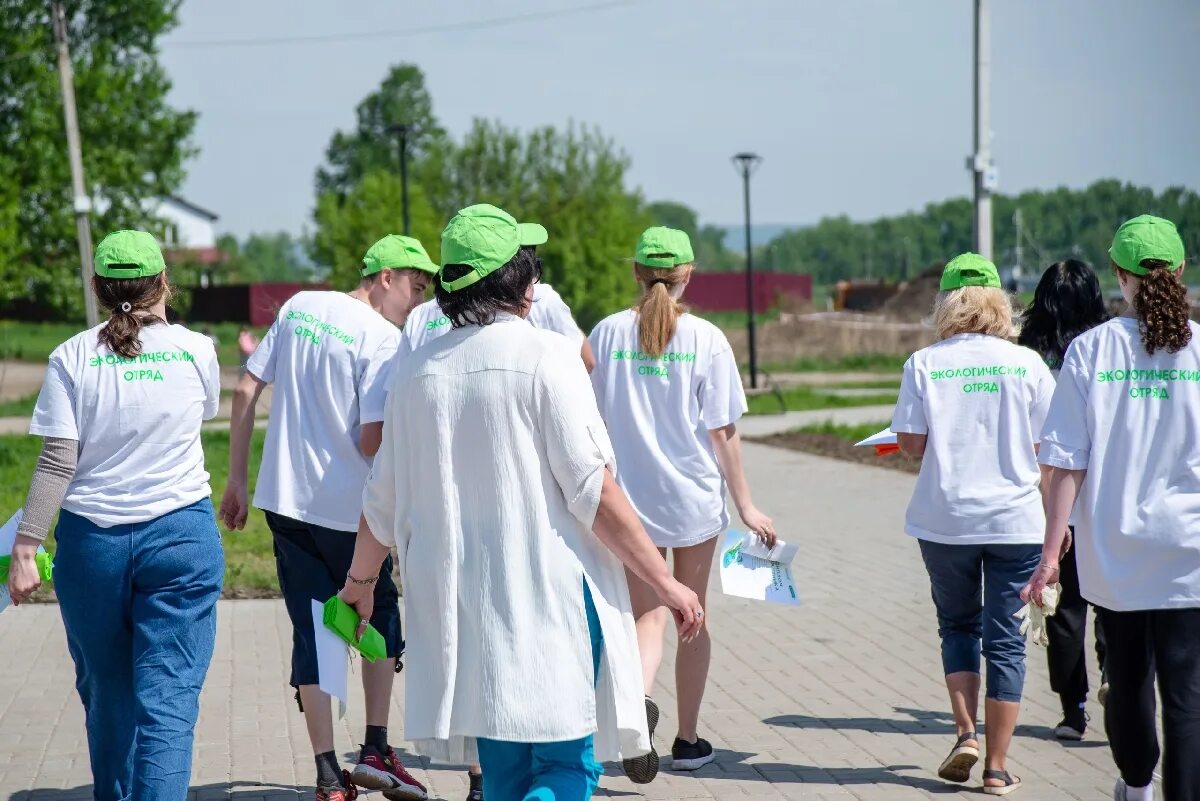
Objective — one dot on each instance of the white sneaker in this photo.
(1121, 792)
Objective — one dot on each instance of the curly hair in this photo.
(121, 334)
(1067, 302)
(1162, 309)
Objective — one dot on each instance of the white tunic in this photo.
(488, 483)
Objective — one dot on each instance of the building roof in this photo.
(193, 208)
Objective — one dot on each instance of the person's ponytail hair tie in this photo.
(126, 299)
(658, 312)
(1162, 309)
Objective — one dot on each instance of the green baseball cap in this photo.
(486, 238)
(128, 254)
(1146, 237)
(664, 247)
(395, 252)
(969, 269)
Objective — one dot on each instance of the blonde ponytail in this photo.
(658, 312)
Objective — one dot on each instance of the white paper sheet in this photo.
(885, 437)
(747, 575)
(332, 660)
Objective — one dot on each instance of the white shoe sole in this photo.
(392, 788)
(1067, 733)
(692, 764)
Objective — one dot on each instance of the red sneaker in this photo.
(347, 792)
(376, 771)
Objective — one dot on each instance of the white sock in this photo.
(1139, 793)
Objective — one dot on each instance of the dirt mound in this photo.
(915, 299)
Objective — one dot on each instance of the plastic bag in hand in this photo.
(1033, 617)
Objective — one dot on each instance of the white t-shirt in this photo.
(1133, 422)
(137, 422)
(549, 312)
(329, 357)
(981, 400)
(659, 412)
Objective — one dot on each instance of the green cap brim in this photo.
(532, 234)
(528, 235)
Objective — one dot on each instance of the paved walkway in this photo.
(840, 699)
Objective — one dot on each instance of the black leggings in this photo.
(1142, 646)
(1067, 653)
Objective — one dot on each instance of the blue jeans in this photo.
(139, 605)
(976, 590)
(563, 771)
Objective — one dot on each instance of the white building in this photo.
(188, 230)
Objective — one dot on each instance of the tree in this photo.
(274, 257)
(572, 181)
(134, 143)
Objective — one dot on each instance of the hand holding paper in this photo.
(24, 566)
(884, 443)
(749, 569)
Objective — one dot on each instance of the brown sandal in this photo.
(957, 767)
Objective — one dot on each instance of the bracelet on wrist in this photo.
(353, 580)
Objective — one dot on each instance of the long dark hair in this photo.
(1067, 302)
(128, 300)
(1162, 309)
(500, 291)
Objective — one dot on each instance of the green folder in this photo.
(342, 620)
(45, 566)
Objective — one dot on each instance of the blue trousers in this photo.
(563, 771)
(139, 605)
(977, 590)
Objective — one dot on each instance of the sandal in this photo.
(957, 766)
(1011, 783)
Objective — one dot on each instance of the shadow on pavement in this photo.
(206, 792)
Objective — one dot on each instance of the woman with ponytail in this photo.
(1122, 436)
(670, 393)
(139, 565)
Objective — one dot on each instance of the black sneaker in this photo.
(475, 795)
(643, 769)
(1073, 725)
(691, 756)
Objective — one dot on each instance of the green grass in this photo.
(249, 560)
(855, 433)
(885, 383)
(18, 407)
(33, 342)
(736, 319)
(866, 362)
(804, 399)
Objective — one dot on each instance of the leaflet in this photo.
(751, 570)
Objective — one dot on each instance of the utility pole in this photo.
(980, 162)
(747, 163)
(401, 131)
(1017, 224)
(82, 203)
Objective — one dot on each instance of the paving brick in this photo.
(840, 699)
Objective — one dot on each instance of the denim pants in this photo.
(976, 591)
(563, 771)
(139, 605)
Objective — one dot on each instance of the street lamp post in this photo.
(747, 163)
(401, 131)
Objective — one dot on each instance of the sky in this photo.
(858, 107)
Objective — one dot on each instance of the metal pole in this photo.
(747, 162)
(982, 160)
(81, 202)
(404, 174)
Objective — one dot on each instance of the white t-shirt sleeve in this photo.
(262, 362)
(54, 414)
(576, 441)
(210, 377)
(1066, 440)
(1043, 394)
(555, 315)
(909, 417)
(722, 399)
(376, 377)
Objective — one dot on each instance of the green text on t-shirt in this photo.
(148, 358)
(438, 323)
(657, 370)
(318, 327)
(978, 372)
(1134, 375)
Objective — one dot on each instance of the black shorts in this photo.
(312, 562)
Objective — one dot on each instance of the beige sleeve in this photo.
(51, 476)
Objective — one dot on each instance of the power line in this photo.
(493, 22)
